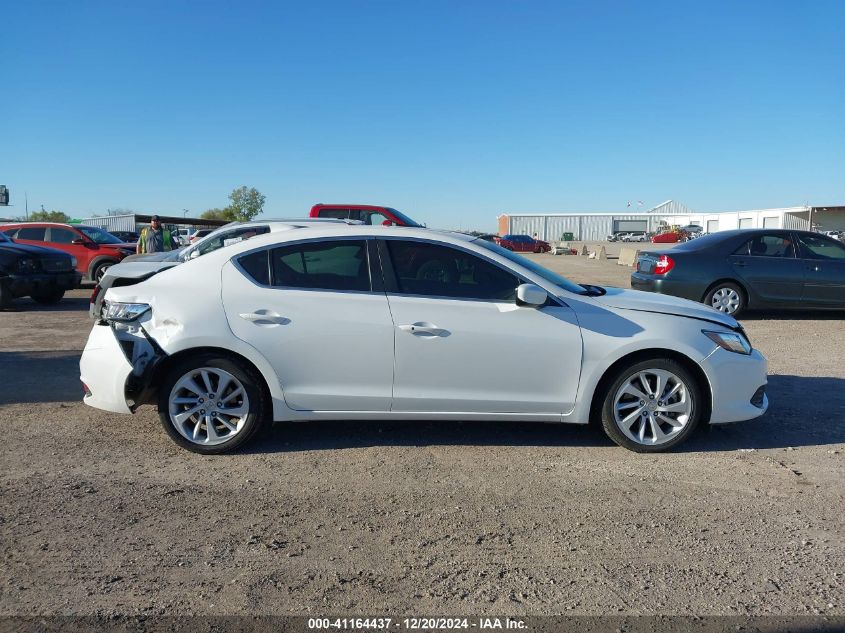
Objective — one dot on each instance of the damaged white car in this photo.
(376, 323)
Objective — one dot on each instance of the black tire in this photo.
(100, 269)
(49, 297)
(693, 392)
(728, 286)
(5, 296)
(252, 383)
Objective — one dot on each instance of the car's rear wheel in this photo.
(726, 297)
(48, 297)
(210, 404)
(5, 296)
(651, 406)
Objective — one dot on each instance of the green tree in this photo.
(246, 203)
(217, 214)
(49, 216)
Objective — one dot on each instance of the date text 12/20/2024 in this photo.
(415, 624)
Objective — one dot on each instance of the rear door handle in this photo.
(741, 263)
(264, 317)
(424, 329)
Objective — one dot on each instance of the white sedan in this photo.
(327, 322)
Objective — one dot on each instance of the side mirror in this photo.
(531, 295)
(194, 254)
(78, 241)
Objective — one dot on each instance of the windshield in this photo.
(545, 273)
(408, 221)
(222, 238)
(99, 235)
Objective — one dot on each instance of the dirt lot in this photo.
(103, 514)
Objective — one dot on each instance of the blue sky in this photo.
(451, 111)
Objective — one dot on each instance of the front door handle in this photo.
(424, 329)
(741, 263)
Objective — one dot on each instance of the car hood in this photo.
(160, 256)
(122, 245)
(138, 269)
(663, 304)
(31, 250)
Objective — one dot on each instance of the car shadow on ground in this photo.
(803, 314)
(33, 377)
(803, 411)
(67, 304)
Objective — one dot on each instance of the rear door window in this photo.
(330, 265)
(338, 214)
(768, 246)
(34, 233)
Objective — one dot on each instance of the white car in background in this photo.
(635, 236)
(332, 322)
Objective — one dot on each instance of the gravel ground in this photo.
(103, 514)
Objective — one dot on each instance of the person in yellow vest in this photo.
(154, 238)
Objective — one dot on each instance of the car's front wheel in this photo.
(211, 404)
(651, 406)
(48, 297)
(100, 270)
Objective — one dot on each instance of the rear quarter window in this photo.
(256, 266)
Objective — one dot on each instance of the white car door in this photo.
(310, 308)
(462, 343)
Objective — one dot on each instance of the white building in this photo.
(597, 226)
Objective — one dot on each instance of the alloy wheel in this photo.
(208, 406)
(652, 406)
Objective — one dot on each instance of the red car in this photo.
(523, 243)
(95, 249)
(367, 214)
(669, 237)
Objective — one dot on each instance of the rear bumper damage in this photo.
(117, 367)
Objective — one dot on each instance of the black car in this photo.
(127, 236)
(35, 271)
(749, 268)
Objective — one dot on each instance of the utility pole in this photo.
(26, 205)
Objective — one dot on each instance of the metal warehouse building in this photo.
(134, 221)
(589, 227)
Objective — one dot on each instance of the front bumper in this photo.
(26, 285)
(735, 381)
(104, 370)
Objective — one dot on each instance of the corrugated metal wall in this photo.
(584, 228)
(794, 222)
(596, 227)
(113, 222)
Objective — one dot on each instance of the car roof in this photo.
(323, 205)
(304, 231)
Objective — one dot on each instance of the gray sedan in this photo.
(749, 269)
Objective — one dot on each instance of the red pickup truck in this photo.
(366, 213)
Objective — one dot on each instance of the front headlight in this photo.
(27, 265)
(116, 311)
(731, 341)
